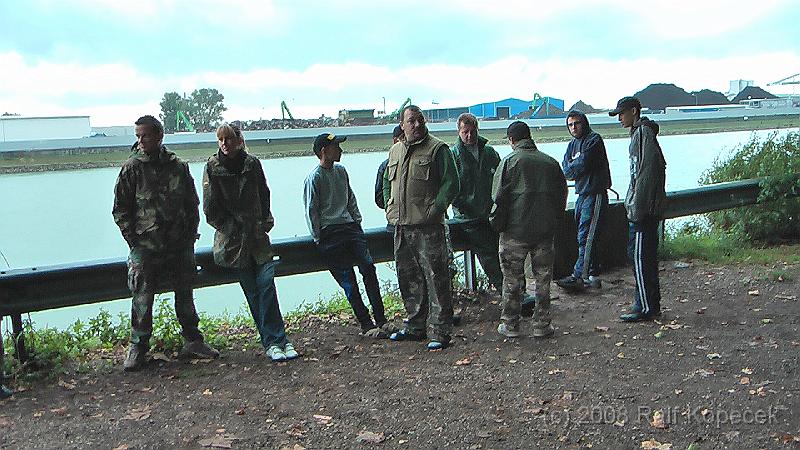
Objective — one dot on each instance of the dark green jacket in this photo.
(530, 195)
(474, 200)
(155, 202)
(237, 205)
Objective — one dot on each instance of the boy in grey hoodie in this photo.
(644, 204)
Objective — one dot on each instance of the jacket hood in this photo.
(644, 121)
(587, 129)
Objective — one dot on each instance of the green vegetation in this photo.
(55, 352)
(693, 242)
(777, 216)
(278, 148)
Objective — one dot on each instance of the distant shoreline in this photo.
(374, 143)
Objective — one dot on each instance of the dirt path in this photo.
(721, 366)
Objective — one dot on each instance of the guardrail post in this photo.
(19, 337)
(470, 274)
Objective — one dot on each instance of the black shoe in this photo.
(638, 316)
(456, 320)
(5, 392)
(571, 283)
(527, 306)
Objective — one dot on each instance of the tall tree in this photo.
(206, 108)
(170, 105)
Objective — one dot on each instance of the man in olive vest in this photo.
(420, 182)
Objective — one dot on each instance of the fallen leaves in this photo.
(785, 297)
(4, 422)
(67, 385)
(137, 414)
(463, 362)
(754, 293)
(368, 437)
(747, 371)
(653, 444)
(711, 356)
(218, 441)
(601, 329)
(59, 411)
(322, 419)
(766, 321)
(658, 420)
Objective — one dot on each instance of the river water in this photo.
(61, 217)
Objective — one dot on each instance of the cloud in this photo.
(114, 94)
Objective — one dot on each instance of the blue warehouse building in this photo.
(502, 109)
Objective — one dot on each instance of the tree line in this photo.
(200, 111)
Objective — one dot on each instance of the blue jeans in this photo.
(258, 284)
(643, 252)
(589, 212)
(342, 247)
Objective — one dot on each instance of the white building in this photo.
(19, 128)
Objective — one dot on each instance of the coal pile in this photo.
(662, 95)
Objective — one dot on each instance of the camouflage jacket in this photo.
(237, 205)
(155, 202)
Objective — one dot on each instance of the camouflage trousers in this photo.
(150, 272)
(520, 261)
(420, 253)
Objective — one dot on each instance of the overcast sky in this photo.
(114, 59)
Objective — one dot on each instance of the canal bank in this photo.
(90, 153)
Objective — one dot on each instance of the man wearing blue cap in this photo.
(644, 204)
(334, 222)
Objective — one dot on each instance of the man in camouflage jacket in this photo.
(156, 209)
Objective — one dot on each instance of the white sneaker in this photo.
(275, 353)
(509, 331)
(289, 351)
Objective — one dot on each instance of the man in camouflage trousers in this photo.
(530, 195)
(156, 209)
(420, 182)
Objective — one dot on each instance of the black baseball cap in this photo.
(325, 139)
(625, 103)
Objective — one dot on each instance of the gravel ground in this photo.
(718, 370)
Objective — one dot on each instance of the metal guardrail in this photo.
(50, 287)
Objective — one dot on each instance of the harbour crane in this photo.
(285, 111)
(792, 79)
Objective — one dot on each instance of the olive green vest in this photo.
(415, 181)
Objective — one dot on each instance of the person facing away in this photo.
(530, 195)
(236, 203)
(586, 163)
(477, 162)
(156, 209)
(334, 222)
(397, 135)
(644, 205)
(419, 184)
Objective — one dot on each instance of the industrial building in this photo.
(20, 128)
(502, 109)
